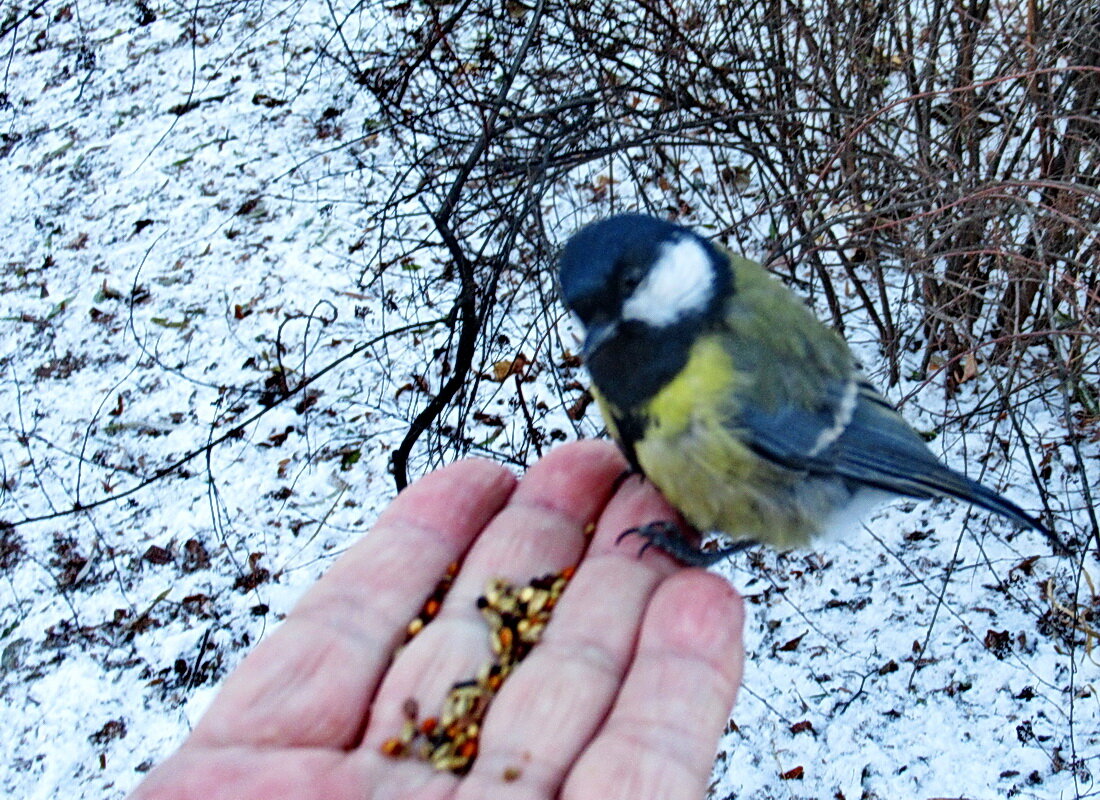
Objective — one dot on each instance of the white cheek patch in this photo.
(680, 283)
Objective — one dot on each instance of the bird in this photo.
(721, 387)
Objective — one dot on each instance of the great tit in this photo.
(724, 390)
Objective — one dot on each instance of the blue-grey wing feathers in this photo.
(857, 435)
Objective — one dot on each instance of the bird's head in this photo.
(644, 289)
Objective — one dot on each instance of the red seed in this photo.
(393, 747)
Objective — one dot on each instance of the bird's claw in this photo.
(669, 537)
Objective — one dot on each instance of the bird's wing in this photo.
(852, 433)
(857, 435)
(879, 448)
(795, 435)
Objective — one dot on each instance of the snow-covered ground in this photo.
(192, 198)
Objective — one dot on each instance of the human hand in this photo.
(624, 697)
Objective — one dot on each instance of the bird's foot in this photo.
(670, 537)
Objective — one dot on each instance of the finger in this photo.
(310, 683)
(614, 537)
(232, 773)
(541, 530)
(554, 702)
(660, 738)
(547, 525)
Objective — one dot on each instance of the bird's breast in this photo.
(701, 393)
(690, 448)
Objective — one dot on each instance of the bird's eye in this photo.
(630, 280)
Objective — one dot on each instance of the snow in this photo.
(161, 264)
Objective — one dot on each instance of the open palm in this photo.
(625, 697)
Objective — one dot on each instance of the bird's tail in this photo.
(949, 482)
(878, 448)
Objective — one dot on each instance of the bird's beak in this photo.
(598, 333)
